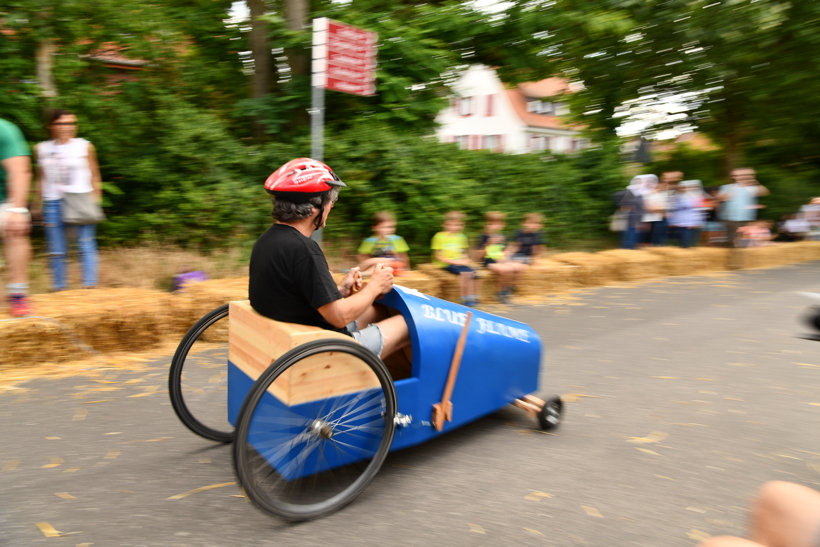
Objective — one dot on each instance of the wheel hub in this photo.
(320, 428)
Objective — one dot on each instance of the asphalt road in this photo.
(688, 394)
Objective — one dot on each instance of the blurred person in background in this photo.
(784, 514)
(529, 242)
(688, 214)
(449, 254)
(656, 206)
(67, 164)
(631, 204)
(739, 202)
(713, 229)
(492, 250)
(15, 220)
(384, 247)
(811, 213)
(792, 228)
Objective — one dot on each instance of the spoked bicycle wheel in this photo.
(314, 429)
(198, 378)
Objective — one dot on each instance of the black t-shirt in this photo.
(527, 241)
(290, 279)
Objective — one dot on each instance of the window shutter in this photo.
(490, 105)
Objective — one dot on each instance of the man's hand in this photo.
(351, 282)
(17, 225)
(381, 279)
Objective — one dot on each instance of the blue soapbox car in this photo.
(313, 414)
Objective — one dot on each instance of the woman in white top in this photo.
(67, 164)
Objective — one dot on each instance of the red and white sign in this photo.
(344, 57)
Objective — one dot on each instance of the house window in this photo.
(490, 105)
(539, 143)
(465, 106)
(490, 142)
(561, 109)
(537, 106)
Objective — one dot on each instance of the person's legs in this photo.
(88, 254)
(395, 333)
(465, 280)
(56, 243)
(628, 238)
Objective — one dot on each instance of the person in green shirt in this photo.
(15, 220)
(449, 254)
(385, 247)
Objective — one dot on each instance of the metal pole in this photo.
(317, 99)
(317, 135)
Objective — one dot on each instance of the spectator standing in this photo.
(739, 201)
(713, 228)
(688, 212)
(656, 206)
(15, 220)
(67, 164)
(631, 203)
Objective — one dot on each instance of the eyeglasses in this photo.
(64, 123)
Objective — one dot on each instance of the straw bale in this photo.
(419, 281)
(713, 259)
(636, 265)
(197, 299)
(547, 276)
(592, 269)
(103, 319)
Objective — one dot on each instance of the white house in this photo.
(487, 116)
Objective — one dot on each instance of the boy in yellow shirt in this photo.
(449, 254)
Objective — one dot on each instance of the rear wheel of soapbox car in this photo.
(314, 429)
(197, 380)
(549, 417)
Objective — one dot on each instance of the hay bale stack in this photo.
(805, 251)
(713, 259)
(675, 261)
(635, 265)
(420, 281)
(197, 299)
(104, 319)
(31, 341)
(547, 276)
(592, 269)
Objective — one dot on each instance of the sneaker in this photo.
(503, 297)
(20, 305)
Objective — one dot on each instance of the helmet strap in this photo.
(317, 222)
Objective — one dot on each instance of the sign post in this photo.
(344, 59)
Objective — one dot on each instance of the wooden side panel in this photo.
(256, 341)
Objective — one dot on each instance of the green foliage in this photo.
(419, 180)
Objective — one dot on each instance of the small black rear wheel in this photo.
(549, 417)
(197, 380)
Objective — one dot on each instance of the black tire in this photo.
(813, 318)
(317, 437)
(549, 417)
(203, 410)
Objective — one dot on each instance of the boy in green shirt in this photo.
(385, 247)
(449, 249)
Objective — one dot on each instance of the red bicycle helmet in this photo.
(301, 179)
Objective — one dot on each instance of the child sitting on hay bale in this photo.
(492, 250)
(529, 242)
(384, 247)
(449, 253)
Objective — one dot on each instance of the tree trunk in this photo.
(45, 63)
(260, 49)
(296, 15)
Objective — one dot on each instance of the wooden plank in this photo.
(256, 341)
